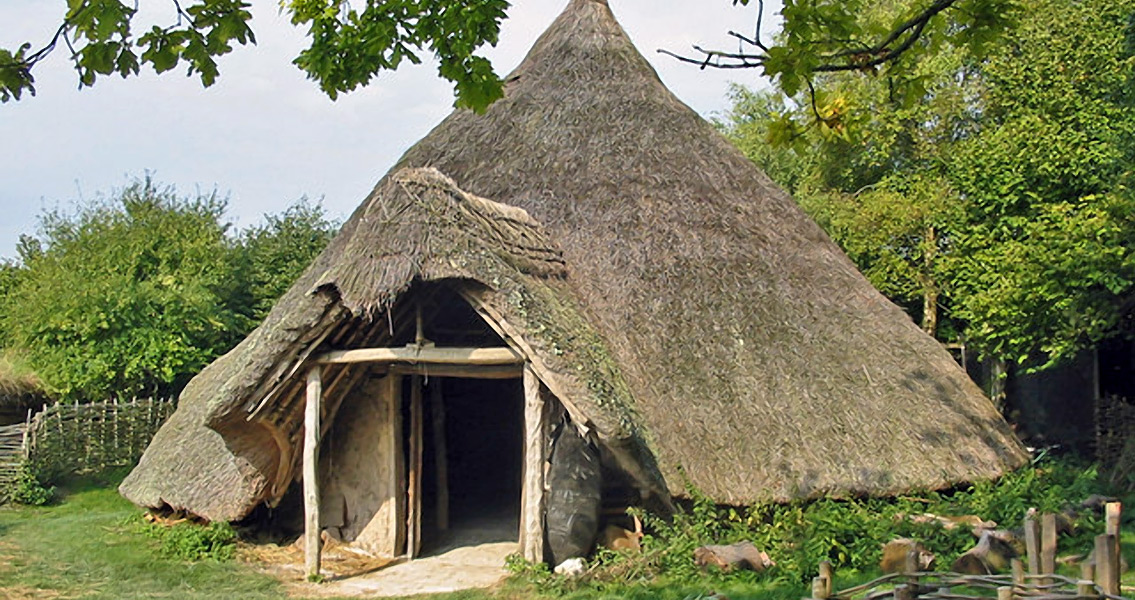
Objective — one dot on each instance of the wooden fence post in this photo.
(1032, 545)
(828, 574)
(1107, 575)
(1048, 546)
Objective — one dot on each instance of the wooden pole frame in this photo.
(532, 495)
(312, 542)
(414, 471)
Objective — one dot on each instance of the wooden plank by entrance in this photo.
(312, 543)
(532, 496)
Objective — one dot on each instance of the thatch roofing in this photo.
(719, 327)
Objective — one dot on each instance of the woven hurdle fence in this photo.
(76, 438)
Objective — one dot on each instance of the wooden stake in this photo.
(1107, 575)
(1018, 569)
(1087, 571)
(819, 588)
(1085, 588)
(1005, 593)
(1032, 545)
(1048, 546)
(1112, 513)
(532, 497)
(441, 467)
(828, 574)
(312, 543)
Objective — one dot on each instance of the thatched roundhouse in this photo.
(631, 277)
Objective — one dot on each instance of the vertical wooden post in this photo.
(1112, 513)
(1048, 546)
(828, 574)
(819, 588)
(392, 396)
(1085, 588)
(312, 543)
(1018, 569)
(1088, 571)
(532, 499)
(1005, 593)
(1107, 575)
(1032, 545)
(441, 466)
(414, 483)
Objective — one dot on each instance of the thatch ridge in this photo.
(715, 328)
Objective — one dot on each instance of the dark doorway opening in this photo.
(480, 425)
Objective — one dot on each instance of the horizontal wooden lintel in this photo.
(424, 355)
(462, 371)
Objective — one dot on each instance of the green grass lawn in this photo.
(89, 545)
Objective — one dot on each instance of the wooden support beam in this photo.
(312, 543)
(532, 497)
(414, 484)
(425, 355)
(462, 371)
(441, 465)
(392, 395)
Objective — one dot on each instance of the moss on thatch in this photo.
(698, 319)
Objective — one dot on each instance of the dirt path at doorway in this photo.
(459, 568)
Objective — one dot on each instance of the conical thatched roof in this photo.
(719, 327)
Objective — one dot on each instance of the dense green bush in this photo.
(193, 541)
(134, 294)
(29, 490)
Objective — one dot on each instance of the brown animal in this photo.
(896, 551)
(742, 555)
(991, 555)
(618, 538)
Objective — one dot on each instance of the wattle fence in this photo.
(75, 438)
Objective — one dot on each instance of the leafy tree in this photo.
(1000, 187)
(136, 293)
(350, 44)
(276, 253)
(127, 295)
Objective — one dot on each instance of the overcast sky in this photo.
(265, 136)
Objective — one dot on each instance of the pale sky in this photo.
(265, 136)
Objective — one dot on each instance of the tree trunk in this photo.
(930, 284)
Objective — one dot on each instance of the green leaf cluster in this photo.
(350, 45)
(989, 185)
(100, 36)
(135, 294)
(194, 541)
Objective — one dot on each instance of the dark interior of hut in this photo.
(480, 433)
